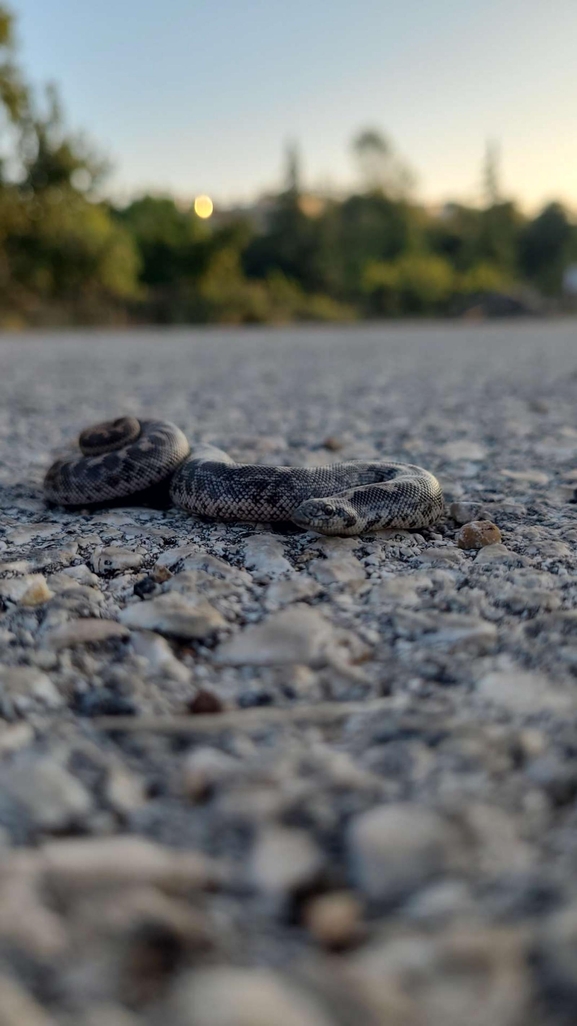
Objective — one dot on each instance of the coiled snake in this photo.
(121, 458)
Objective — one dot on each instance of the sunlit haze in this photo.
(202, 97)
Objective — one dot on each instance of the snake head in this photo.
(327, 516)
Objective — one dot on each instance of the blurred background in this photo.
(218, 162)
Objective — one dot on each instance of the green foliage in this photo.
(547, 246)
(414, 284)
(13, 91)
(482, 279)
(170, 242)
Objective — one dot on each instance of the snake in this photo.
(121, 458)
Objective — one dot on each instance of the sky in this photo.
(202, 96)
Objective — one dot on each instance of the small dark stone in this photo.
(145, 587)
(103, 702)
(253, 698)
(333, 444)
(205, 702)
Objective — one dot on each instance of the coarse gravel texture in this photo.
(251, 776)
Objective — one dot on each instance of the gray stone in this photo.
(29, 590)
(226, 996)
(464, 449)
(218, 568)
(24, 686)
(264, 555)
(124, 861)
(18, 1008)
(158, 655)
(174, 615)
(81, 574)
(52, 797)
(459, 632)
(295, 635)
(524, 692)
(283, 593)
(396, 848)
(337, 569)
(83, 632)
(204, 768)
(283, 860)
(497, 553)
(115, 558)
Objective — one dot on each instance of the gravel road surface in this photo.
(251, 776)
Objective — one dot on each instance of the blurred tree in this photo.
(59, 250)
(291, 245)
(50, 156)
(13, 91)
(380, 167)
(491, 174)
(547, 245)
(467, 236)
(171, 242)
(414, 284)
(372, 227)
(293, 169)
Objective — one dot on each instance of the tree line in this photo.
(68, 256)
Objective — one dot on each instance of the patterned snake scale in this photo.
(126, 456)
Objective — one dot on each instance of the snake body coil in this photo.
(126, 456)
(117, 459)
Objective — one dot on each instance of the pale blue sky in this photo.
(202, 95)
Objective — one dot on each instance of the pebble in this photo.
(174, 615)
(466, 512)
(335, 919)
(396, 848)
(284, 860)
(18, 1008)
(158, 655)
(84, 632)
(437, 554)
(468, 973)
(216, 567)
(459, 632)
(463, 449)
(295, 635)
(204, 768)
(297, 589)
(496, 834)
(108, 1015)
(337, 569)
(527, 476)
(111, 558)
(104, 702)
(205, 703)
(24, 686)
(51, 796)
(24, 534)
(124, 861)
(477, 534)
(29, 590)
(81, 574)
(226, 996)
(264, 555)
(524, 692)
(497, 553)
